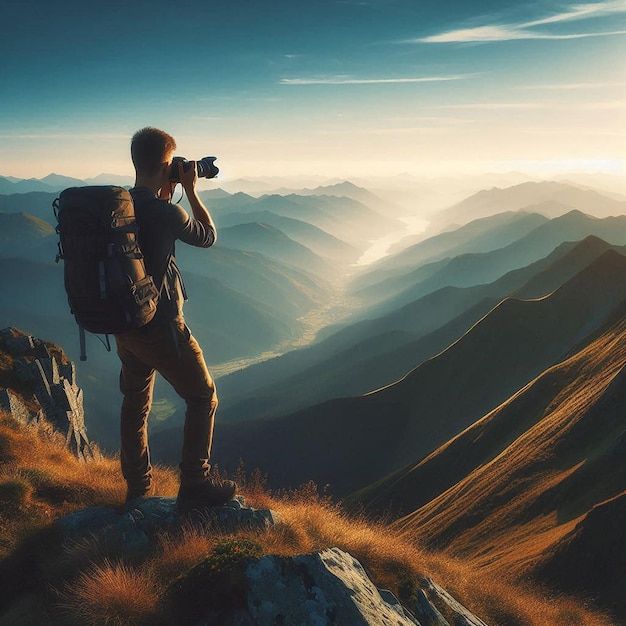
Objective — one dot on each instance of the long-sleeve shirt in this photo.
(161, 223)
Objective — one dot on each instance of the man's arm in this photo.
(200, 212)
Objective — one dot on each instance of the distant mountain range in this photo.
(57, 182)
(373, 353)
(396, 272)
(474, 268)
(553, 197)
(342, 217)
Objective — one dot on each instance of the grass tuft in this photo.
(112, 594)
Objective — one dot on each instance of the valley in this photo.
(340, 303)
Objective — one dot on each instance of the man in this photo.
(165, 345)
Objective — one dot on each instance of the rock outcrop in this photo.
(325, 588)
(40, 385)
(137, 526)
(332, 588)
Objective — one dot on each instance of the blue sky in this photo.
(337, 87)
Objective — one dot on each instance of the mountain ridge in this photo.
(382, 425)
(489, 201)
(415, 332)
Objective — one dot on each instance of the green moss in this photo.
(216, 585)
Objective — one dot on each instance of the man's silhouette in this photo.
(166, 345)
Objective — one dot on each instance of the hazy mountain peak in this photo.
(58, 179)
(573, 216)
(550, 196)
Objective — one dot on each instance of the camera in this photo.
(205, 166)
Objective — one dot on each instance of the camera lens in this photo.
(207, 168)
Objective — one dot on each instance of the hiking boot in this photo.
(134, 492)
(210, 492)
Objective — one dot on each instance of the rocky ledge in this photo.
(39, 386)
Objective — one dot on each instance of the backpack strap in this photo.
(106, 342)
(83, 343)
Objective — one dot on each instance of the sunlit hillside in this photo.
(515, 491)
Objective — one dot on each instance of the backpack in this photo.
(108, 288)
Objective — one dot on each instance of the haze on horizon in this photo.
(335, 88)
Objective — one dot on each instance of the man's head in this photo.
(150, 150)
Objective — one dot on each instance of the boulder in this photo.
(324, 588)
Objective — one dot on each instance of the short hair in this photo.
(149, 149)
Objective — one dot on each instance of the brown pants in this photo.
(172, 351)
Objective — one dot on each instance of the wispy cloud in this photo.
(525, 30)
(485, 34)
(495, 105)
(583, 11)
(346, 80)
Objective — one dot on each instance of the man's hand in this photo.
(189, 178)
(200, 212)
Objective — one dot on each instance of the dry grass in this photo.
(509, 601)
(40, 481)
(310, 523)
(113, 594)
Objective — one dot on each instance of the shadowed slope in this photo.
(273, 243)
(312, 237)
(591, 558)
(373, 353)
(478, 268)
(37, 203)
(24, 235)
(252, 273)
